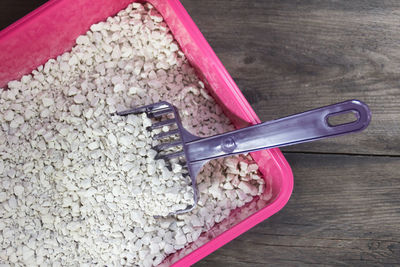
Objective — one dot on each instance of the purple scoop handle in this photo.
(299, 128)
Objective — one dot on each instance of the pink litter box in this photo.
(52, 29)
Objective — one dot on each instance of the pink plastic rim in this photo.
(51, 30)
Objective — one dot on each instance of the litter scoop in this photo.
(195, 151)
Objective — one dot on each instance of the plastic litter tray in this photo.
(52, 29)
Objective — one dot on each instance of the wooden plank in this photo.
(290, 56)
(12, 10)
(346, 217)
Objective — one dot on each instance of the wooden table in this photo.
(289, 56)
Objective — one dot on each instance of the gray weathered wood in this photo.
(12, 10)
(344, 210)
(290, 56)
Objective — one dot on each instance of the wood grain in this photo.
(346, 217)
(12, 10)
(291, 56)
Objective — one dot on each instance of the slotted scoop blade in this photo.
(158, 110)
(299, 128)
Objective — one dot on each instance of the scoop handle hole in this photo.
(341, 118)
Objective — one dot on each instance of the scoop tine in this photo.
(161, 124)
(129, 111)
(138, 110)
(170, 156)
(165, 134)
(162, 146)
(147, 109)
(189, 208)
(159, 113)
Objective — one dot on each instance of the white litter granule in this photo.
(79, 186)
